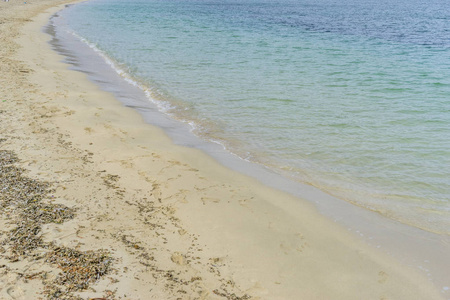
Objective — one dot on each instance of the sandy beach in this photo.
(96, 203)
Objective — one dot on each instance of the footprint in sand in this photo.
(382, 277)
(15, 292)
(257, 290)
(178, 258)
(206, 200)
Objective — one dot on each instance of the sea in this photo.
(351, 97)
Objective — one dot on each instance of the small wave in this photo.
(162, 106)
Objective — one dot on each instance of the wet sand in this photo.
(138, 217)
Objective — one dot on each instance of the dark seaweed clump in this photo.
(23, 203)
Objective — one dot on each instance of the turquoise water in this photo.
(353, 98)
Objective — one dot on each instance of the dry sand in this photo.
(174, 223)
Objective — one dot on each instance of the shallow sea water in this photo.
(353, 98)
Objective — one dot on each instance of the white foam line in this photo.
(164, 107)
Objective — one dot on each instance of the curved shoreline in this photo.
(377, 230)
(384, 190)
(197, 219)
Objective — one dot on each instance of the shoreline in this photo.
(386, 190)
(184, 130)
(220, 232)
(393, 237)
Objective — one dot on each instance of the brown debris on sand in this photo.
(22, 201)
(79, 270)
